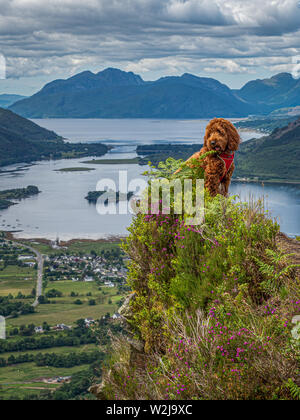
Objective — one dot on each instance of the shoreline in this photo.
(112, 239)
(254, 130)
(262, 181)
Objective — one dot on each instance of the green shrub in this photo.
(211, 325)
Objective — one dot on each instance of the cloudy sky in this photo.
(231, 40)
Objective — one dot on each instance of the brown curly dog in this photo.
(222, 137)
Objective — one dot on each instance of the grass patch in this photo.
(86, 247)
(64, 310)
(25, 379)
(23, 390)
(14, 279)
(29, 372)
(80, 287)
(75, 247)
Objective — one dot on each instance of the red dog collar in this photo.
(228, 160)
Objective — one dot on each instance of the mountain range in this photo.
(280, 91)
(113, 93)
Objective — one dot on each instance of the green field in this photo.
(14, 279)
(65, 311)
(23, 390)
(29, 372)
(88, 246)
(26, 378)
(74, 247)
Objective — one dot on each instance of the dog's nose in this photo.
(213, 143)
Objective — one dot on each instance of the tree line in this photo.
(54, 359)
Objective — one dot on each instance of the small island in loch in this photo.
(16, 194)
(75, 170)
(132, 161)
(93, 196)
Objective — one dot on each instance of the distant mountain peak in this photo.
(189, 75)
(117, 76)
(82, 74)
(282, 76)
(279, 91)
(193, 76)
(114, 71)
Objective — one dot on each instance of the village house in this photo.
(109, 284)
(89, 322)
(38, 330)
(62, 327)
(25, 257)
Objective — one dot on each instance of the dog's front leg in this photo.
(212, 183)
(214, 170)
(227, 181)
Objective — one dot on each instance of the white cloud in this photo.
(148, 36)
(205, 12)
(225, 66)
(168, 65)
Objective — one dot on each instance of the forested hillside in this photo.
(22, 140)
(275, 157)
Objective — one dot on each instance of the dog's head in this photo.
(221, 136)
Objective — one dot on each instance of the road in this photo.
(39, 285)
(40, 261)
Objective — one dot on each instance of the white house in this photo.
(89, 322)
(109, 284)
(38, 330)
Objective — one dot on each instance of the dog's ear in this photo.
(208, 130)
(234, 139)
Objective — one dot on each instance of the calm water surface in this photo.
(61, 210)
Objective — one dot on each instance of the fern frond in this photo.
(294, 389)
